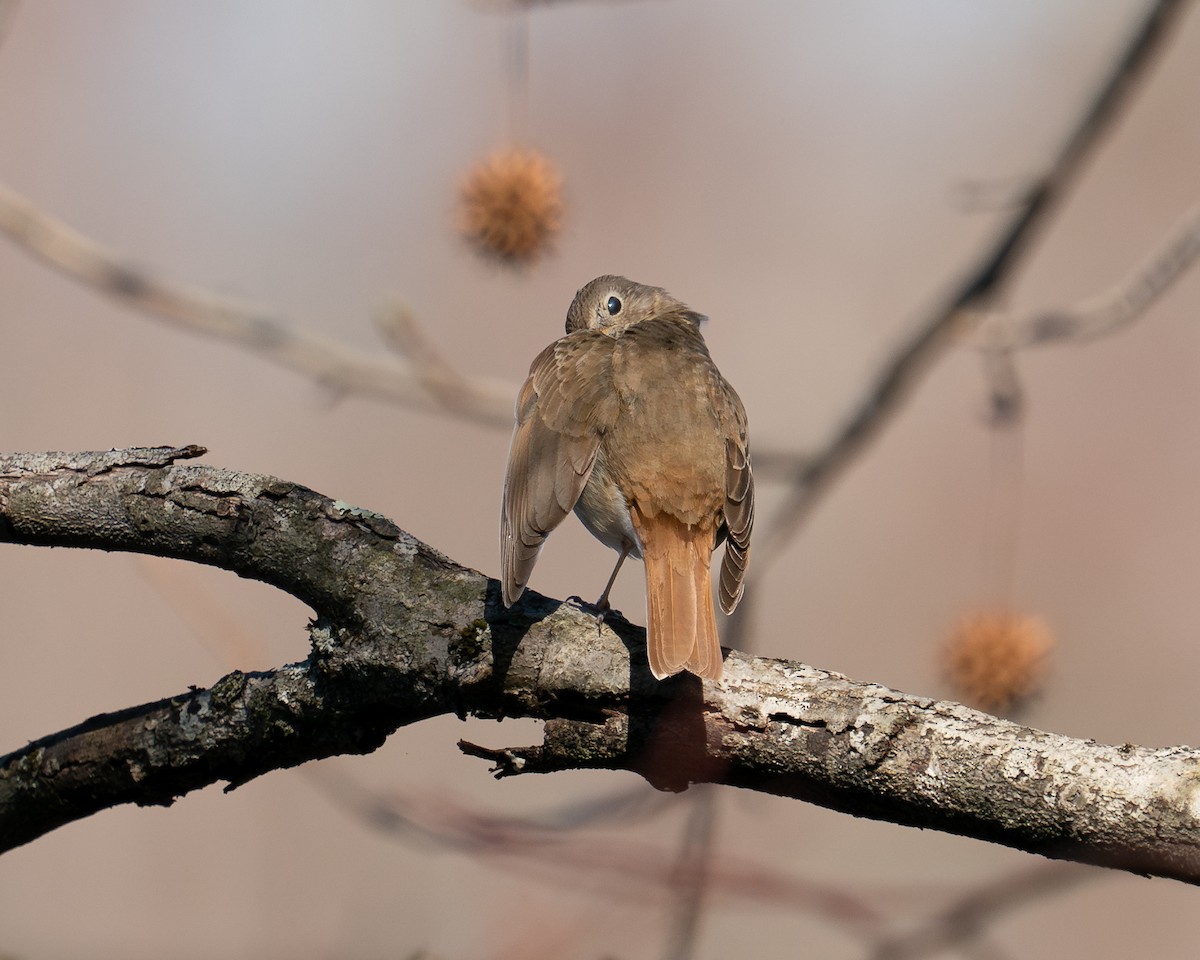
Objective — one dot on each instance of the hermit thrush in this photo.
(627, 421)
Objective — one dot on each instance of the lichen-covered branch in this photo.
(402, 633)
(792, 730)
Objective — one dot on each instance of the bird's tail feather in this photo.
(681, 629)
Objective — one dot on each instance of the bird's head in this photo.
(612, 304)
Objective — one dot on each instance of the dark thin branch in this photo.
(402, 633)
(690, 875)
(905, 370)
(970, 915)
(559, 851)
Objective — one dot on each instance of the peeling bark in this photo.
(402, 633)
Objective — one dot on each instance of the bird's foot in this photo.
(600, 609)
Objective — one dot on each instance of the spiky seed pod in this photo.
(995, 659)
(511, 205)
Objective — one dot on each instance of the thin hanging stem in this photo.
(518, 76)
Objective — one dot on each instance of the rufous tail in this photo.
(681, 628)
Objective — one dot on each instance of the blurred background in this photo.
(812, 176)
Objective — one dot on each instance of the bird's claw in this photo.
(600, 609)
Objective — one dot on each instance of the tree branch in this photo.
(253, 327)
(1108, 312)
(969, 915)
(907, 367)
(402, 633)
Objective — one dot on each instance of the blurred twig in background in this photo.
(996, 269)
(252, 327)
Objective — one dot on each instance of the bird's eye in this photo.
(613, 306)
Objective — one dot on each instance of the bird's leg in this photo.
(601, 608)
(602, 605)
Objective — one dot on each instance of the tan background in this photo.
(791, 169)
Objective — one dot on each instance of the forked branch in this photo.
(402, 633)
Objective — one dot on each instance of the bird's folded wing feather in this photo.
(563, 409)
(739, 501)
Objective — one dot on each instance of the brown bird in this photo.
(627, 421)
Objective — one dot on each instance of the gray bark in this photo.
(402, 633)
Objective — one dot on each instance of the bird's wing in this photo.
(739, 499)
(562, 411)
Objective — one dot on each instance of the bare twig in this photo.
(1109, 312)
(547, 847)
(621, 870)
(966, 918)
(440, 821)
(907, 368)
(250, 326)
(1000, 335)
(451, 389)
